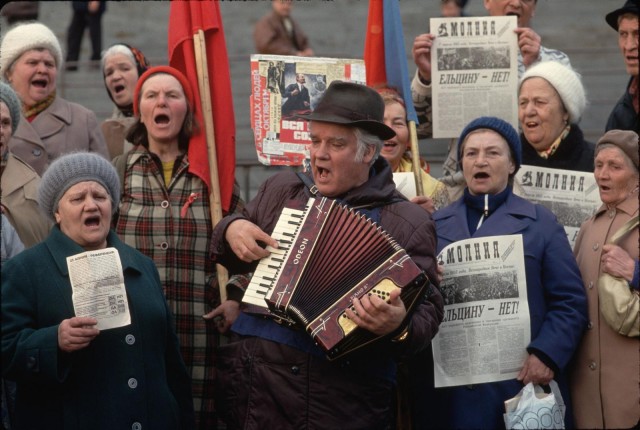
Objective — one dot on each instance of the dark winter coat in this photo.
(624, 116)
(557, 312)
(128, 377)
(267, 384)
(574, 153)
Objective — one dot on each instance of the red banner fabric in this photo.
(374, 54)
(185, 19)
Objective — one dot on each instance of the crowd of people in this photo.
(187, 358)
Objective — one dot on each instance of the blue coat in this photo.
(127, 375)
(557, 307)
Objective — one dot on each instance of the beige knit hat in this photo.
(24, 37)
(566, 82)
(626, 140)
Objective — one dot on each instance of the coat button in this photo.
(37, 152)
(593, 365)
(590, 325)
(133, 383)
(295, 370)
(136, 426)
(595, 247)
(591, 285)
(130, 339)
(164, 204)
(164, 246)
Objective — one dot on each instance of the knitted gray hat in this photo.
(9, 97)
(501, 127)
(566, 82)
(24, 37)
(70, 169)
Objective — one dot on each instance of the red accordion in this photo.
(329, 255)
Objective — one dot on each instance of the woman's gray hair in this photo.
(366, 140)
(116, 49)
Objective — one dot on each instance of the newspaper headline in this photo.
(572, 196)
(486, 327)
(474, 71)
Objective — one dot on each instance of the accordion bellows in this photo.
(329, 255)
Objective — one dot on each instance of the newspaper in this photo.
(98, 290)
(283, 87)
(405, 183)
(474, 71)
(486, 326)
(572, 196)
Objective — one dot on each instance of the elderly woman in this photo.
(605, 377)
(165, 214)
(69, 374)
(395, 152)
(122, 65)
(490, 154)
(551, 101)
(30, 60)
(19, 182)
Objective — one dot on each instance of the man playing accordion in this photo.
(271, 375)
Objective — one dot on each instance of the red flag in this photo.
(374, 57)
(384, 53)
(185, 19)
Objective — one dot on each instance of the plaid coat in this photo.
(172, 225)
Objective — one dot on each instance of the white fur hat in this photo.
(24, 37)
(566, 82)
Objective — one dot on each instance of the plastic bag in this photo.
(532, 408)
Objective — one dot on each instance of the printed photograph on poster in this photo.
(284, 87)
(474, 71)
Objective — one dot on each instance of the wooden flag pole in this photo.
(215, 201)
(415, 158)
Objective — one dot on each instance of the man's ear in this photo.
(368, 156)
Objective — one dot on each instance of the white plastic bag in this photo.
(532, 408)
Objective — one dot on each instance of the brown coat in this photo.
(62, 127)
(270, 36)
(606, 373)
(19, 198)
(115, 131)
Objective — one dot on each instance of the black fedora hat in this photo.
(352, 104)
(630, 6)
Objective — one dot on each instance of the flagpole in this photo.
(215, 201)
(415, 158)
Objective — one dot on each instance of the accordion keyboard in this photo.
(269, 268)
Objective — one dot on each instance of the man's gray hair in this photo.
(366, 140)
